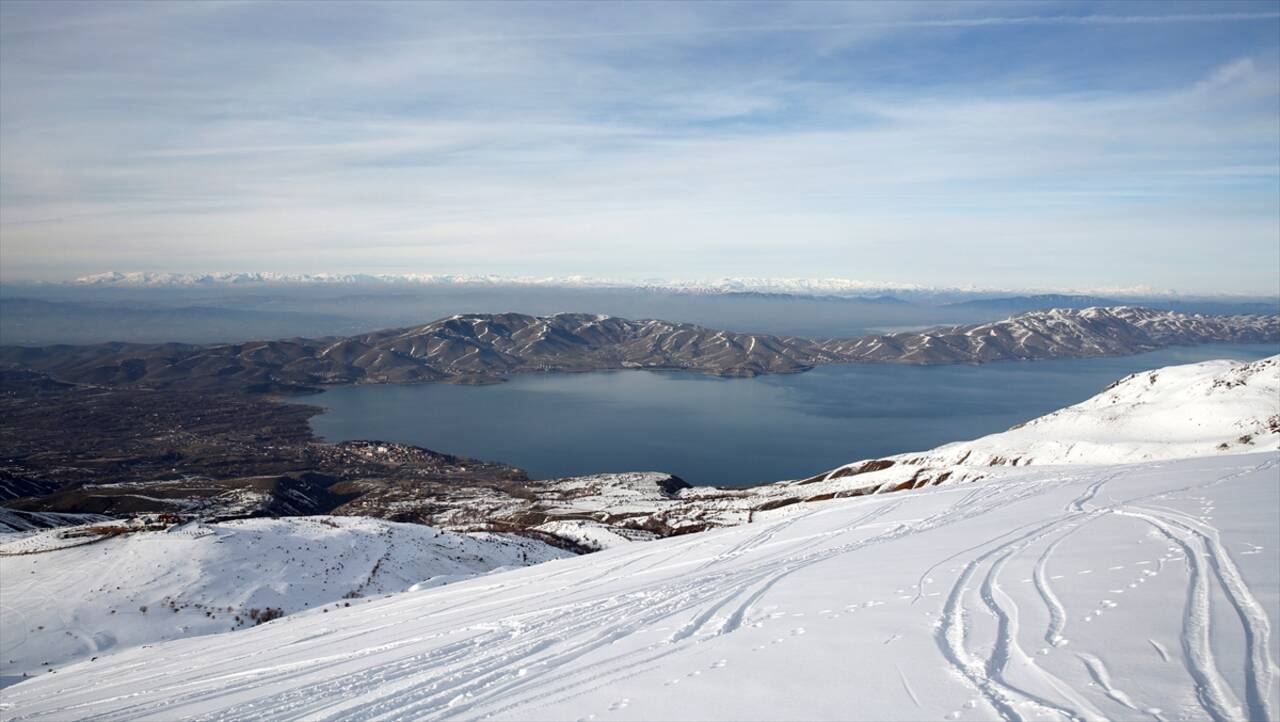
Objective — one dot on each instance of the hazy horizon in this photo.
(818, 286)
(1046, 145)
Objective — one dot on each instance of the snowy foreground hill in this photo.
(1119, 559)
(1145, 591)
(79, 593)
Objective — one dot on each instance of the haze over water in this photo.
(720, 431)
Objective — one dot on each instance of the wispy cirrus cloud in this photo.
(882, 141)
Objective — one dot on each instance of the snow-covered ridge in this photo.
(797, 286)
(1056, 333)
(1057, 593)
(749, 284)
(484, 348)
(79, 592)
(15, 521)
(1203, 409)
(1209, 409)
(807, 286)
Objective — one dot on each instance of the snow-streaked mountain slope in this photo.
(14, 521)
(1144, 591)
(487, 347)
(1199, 409)
(71, 594)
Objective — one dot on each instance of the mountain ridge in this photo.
(487, 348)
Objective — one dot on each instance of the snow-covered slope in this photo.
(76, 593)
(1208, 409)
(1200, 409)
(1144, 591)
(13, 521)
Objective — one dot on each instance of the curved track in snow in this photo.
(1147, 591)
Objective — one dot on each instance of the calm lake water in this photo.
(711, 430)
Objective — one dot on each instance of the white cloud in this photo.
(215, 149)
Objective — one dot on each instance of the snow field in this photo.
(1145, 591)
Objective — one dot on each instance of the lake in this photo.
(710, 430)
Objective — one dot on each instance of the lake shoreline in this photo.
(726, 431)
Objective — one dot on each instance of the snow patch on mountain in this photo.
(15, 521)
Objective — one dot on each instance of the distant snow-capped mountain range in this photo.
(829, 286)
(747, 284)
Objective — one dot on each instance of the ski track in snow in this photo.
(591, 634)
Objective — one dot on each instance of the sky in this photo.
(1052, 145)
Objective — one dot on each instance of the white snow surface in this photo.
(594, 535)
(1200, 409)
(1135, 591)
(67, 595)
(1216, 408)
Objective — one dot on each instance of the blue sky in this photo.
(1028, 145)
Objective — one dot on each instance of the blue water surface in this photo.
(711, 430)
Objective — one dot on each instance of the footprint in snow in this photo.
(797, 631)
(620, 704)
(719, 663)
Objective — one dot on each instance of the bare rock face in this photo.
(486, 348)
